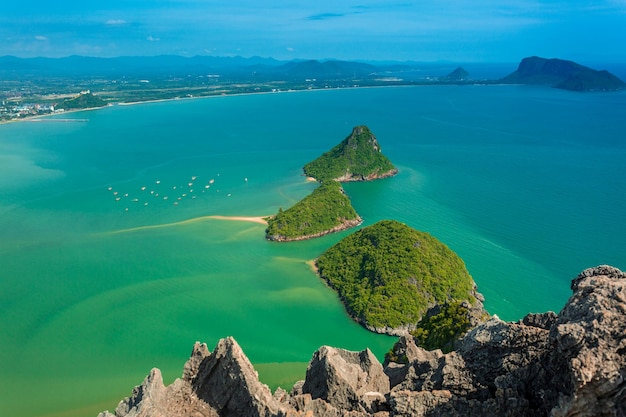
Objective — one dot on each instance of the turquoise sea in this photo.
(526, 184)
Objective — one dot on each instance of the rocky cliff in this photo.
(570, 364)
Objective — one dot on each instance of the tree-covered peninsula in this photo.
(327, 209)
(357, 158)
(390, 276)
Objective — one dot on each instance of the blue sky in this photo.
(462, 31)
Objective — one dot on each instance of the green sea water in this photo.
(527, 185)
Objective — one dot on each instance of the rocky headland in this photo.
(567, 364)
(563, 74)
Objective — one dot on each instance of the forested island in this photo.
(357, 158)
(391, 276)
(327, 209)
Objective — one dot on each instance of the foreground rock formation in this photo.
(570, 364)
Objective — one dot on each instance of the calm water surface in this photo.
(527, 184)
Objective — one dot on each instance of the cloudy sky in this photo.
(455, 30)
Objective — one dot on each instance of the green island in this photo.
(357, 158)
(327, 209)
(391, 276)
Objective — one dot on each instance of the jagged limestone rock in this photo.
(227, 381)
(343, 378)
(590, 345)
(153, 399)
(572, 364)
(199, 352)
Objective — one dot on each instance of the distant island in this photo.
(563, 74)
(391, 278)
(357, 158)
(459, 74)
(328, 209)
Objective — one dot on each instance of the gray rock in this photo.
(540, 320)
(342, 378)
(573, 364)
(199, 352)
(227, 382)
(153, 399)
(589, 337)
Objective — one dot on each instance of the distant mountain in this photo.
(325, 69)
(563, 74)
(138, 66)
(458, 74)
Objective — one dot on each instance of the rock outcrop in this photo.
(570, 364)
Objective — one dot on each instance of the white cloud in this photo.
(41, 38)
(115, 22)
(153, 39)
(290, 49)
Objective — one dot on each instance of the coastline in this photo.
(348, 224)
(223, 94)
(42, 117)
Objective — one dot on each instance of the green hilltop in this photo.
(327, 209)
(357, 158)
(389, 275)
(84, 100)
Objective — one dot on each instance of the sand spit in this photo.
(252, 219)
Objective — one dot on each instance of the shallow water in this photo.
(526, 184)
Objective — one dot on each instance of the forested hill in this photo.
(389, 275)
(563, 74)
(357, 158)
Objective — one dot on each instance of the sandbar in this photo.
(252, 219)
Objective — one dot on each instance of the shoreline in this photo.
(348, 224)
(162, 100)
(249, 219)
(42, 117)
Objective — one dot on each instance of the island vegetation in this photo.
(327, 209)
(389, 275)
(357, 158)
(442, 329)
